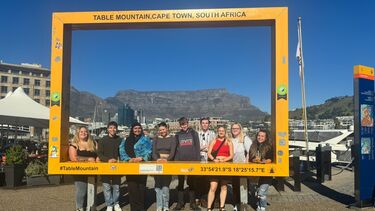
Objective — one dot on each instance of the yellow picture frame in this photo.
(63, 23)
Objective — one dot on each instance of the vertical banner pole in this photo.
(364, 180)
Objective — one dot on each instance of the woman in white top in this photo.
(241, 146)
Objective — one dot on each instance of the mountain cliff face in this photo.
(170, 104)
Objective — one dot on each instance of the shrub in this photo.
(36, 168)
(15, 155)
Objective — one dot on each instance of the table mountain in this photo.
(169, 104)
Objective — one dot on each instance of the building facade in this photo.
(126, 115)
(33, 78)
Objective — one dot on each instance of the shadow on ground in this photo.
(311, 182)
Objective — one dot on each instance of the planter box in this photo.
(14, 175)
(43, 180)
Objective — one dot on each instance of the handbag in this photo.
(214, 153)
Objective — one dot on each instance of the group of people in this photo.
(186, 145)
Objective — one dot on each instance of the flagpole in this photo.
(302, 76)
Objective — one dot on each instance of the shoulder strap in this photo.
(74, 146)
(222, 143)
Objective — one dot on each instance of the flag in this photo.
(299, 53)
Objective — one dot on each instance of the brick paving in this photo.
(336, 194)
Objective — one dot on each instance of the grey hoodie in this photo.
(188, 146)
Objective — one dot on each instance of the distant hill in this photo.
(169, 104)
(331, 108)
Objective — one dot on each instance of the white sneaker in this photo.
(117, 207)
(109, 208)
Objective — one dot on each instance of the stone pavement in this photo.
(331, 195)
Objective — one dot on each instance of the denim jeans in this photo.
(162, 191)
(162, 198)
(111, 189)
(81, 191)
(262, 195)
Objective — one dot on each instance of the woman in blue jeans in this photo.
(82, 149)
(163, 150)
(261, 151)
(136, 148)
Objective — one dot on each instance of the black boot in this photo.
(180, 201)
(193, 205)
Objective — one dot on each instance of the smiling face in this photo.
(112, 130)
(184, 126)
(83, 134)
(236, 130)
(137, 130)
(261, 137)
(221, 132)
(163, 131)
(205, 124)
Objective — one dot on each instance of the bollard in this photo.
(279, 183)
(319, 166)
(323, 163)
(295, 172)
(327, 162)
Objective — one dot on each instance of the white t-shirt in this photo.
(205, 138)
(240, 148)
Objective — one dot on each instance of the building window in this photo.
(4, 89)
(37, 82)
(26, 81)
(47, 103)
(15, 80)
(47, 93)
(36, 92)
(48, 83)
(14, 89)
(26, 90)
(4, 79)
(37, 100)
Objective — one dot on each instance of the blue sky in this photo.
(336, 36)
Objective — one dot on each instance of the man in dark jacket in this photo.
(188, 149)
(108, 151)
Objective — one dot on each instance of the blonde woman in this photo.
(220, 150)
(82, 149)
(241, 146)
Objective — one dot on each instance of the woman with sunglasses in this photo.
(241, 146)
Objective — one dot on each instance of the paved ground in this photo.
(331, 195)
